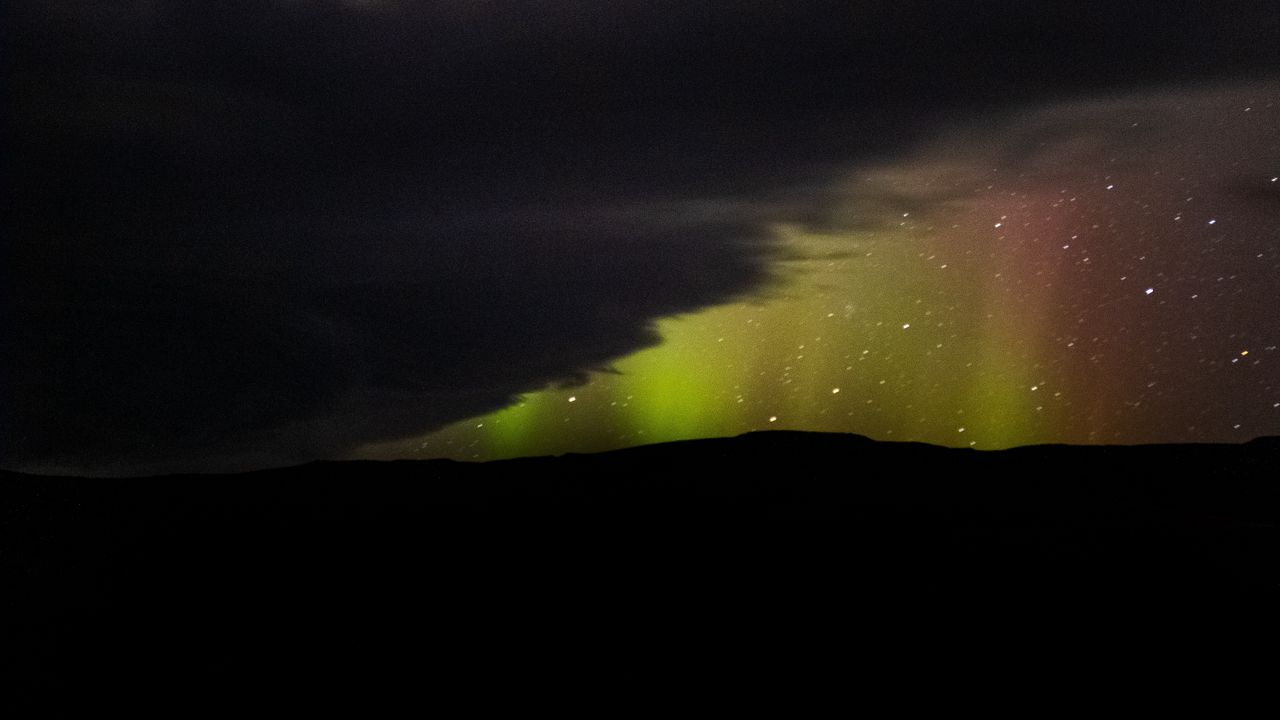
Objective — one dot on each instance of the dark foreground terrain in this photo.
(774, 563)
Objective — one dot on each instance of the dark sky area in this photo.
(242, 234)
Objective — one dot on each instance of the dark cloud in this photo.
(249, 232)
(155, 363)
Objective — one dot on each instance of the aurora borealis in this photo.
(254, 234)
(1101, 271)
(358, 354)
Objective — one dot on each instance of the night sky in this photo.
(246, 234)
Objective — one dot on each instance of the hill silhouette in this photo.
(777, 557)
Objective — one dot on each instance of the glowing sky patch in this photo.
(1082, 273)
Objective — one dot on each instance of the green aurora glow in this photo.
(884, 339)
(1065, 274)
